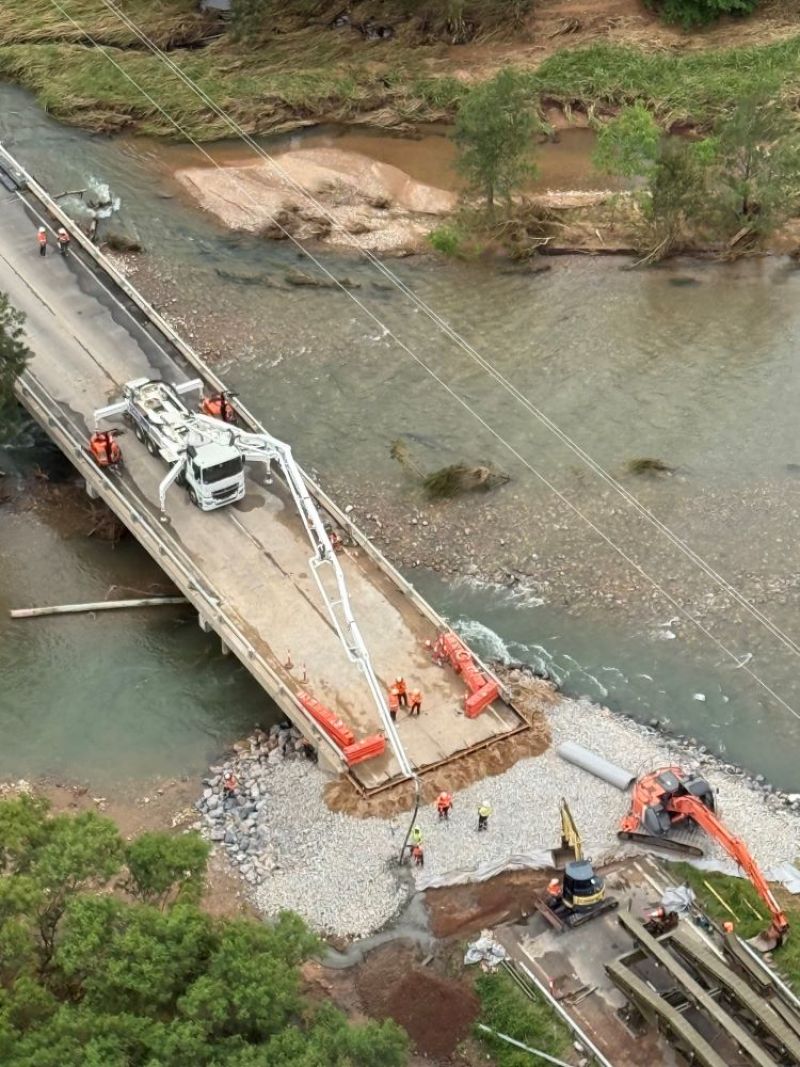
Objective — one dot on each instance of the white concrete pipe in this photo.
(596, 765)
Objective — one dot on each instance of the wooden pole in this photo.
(100, 605)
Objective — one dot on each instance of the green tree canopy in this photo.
(14, 354)
(670, 177)
(89, 978)
(756, 176)
(494, 134)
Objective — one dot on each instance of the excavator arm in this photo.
(570, 835)
(693, 808)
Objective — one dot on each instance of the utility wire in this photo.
(462, 343)
(440, 381)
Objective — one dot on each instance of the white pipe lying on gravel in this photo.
(596, 765)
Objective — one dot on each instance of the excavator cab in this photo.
(103, 448)
(581, 887)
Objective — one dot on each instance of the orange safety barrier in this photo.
(478, 701)
(482, 691)
(330, 723)
(374, 745)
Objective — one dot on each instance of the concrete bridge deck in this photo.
(245, 567)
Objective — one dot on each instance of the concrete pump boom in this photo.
(187, 431)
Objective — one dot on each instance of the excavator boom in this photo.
(694, 809)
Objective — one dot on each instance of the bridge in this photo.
(244, 568)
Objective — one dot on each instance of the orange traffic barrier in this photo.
(478, 701)
(330, 723)
(369, 747)
(482, 690)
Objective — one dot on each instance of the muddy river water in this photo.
(695, 364)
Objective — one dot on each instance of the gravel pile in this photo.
(292, 851)
(339, 872)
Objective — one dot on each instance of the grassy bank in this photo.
(506, 1010)
(752, 915)
(302, 70)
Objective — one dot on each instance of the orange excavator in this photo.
(103, 448)
(669, 796)
(219, 406)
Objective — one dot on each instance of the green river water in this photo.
(695, 363)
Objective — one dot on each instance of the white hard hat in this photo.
(42, 229)
(61, 229)
(484, 803)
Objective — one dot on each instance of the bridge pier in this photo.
(91, 492)
(204, 624)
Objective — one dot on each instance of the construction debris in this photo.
(485, 951)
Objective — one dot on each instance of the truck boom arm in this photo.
(737, 850)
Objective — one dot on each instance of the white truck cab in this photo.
(214, 475)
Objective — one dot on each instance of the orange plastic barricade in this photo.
(374, 745)
(330, 723)
(478, 701)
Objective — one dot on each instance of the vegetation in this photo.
(756, 169)
(507, 1010)
(92, 978)
(734, 187)
(649, 466)
(691, 13)
(752, 915)
(299, 66)
(494, 134)
(14, 355)
(672, 172)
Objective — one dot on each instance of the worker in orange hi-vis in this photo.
(394, 703)
(402, 690)
(444, 804)
(415, 701)
(41, 237)
(418, 855)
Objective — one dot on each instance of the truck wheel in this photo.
(139, 432)
(151, 446)
(193, 497)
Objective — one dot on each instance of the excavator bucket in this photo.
(562, 856)
(767, 940)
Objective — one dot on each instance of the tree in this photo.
(14, 355)
(756, 177)
(494, 134)
(163, 866)
(691, 13)
(89, 978)
(670, 174)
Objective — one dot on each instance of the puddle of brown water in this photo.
(428, 156)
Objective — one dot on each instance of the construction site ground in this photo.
(427, 989)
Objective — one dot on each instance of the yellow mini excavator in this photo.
(580, 894)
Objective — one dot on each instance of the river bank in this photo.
(294, 70)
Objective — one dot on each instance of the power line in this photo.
(440, 381)
(462, 343)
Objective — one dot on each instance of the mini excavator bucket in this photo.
(562, 856)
